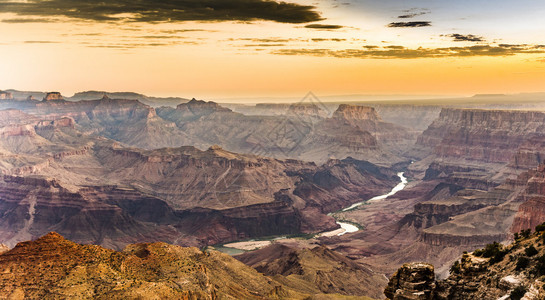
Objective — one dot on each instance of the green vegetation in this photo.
(522, 263)
(495, 251)
(531, 251)
(526, 233)
(540, 266)
(455, 269)
(540, 228)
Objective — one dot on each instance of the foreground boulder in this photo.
(413, 281)
(515, 271)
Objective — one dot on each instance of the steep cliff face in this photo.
(199, 197)
(514, 271)
(6, 95)
(53, 96)
(490, 136)
(366, 118)
(195, 109)
(416, 117)
(531, 211)
(413, 281)
(297, 134)
(356, 113)
(127, 121)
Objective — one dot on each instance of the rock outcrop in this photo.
(297, 134)
(52, 96)
(54, 267)
(320, 268)
(5, 95)
(488, 136)
(413, 281)
(199, 197)
(514, 271)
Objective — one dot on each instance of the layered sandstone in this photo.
(514, 271)
(53, 96)
(490, 136)
(413, 281)
(297, 134)
(5, 95)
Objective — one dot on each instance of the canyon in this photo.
(114, 172)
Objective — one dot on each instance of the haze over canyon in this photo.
(131, 174)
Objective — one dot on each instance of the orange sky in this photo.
(265, 58)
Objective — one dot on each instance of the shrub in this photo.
(494, 251)
(455, 268)
(517, 293)
(498, 257)
(526, 233)
(540, 266)
(489, 251)
(540, 227)
(531, 251)
(522, 263)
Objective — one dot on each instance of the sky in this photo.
(261, 48)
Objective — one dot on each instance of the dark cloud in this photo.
(410, 24)
(328, 40)
(152, 11)
(412, 15)
(465, 37)
(265, 45)
(414, 12)
(27, 20)
(324, 26)
(176, 31)
(406, 53)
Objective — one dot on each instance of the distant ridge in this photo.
(151, 101)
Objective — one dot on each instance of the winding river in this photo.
(347, 227)
(239, 247)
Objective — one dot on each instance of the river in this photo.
(239, 247)
(347, 227)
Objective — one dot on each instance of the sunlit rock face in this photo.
(53, 96)
(5, 95)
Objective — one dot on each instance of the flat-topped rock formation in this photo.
(6, 95)
(52, 96)
(182, 195)
(489, 136)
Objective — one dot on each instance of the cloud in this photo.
(391, 52)
(152, 11)
(323, 26)
(410, 24)
(328, 40)
(465, 37)
(27, 20)
(40, 42)
(414, 12)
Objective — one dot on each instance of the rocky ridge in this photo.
(515, 271)
(53, 267)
